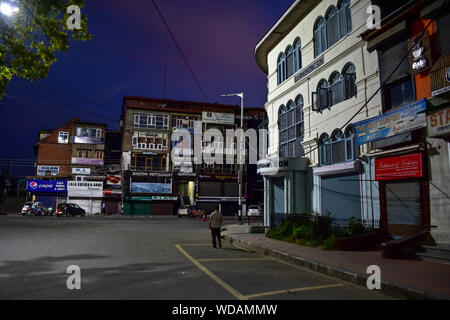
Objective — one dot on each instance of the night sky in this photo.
(127, 56)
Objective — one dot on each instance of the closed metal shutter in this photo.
(210, 188)
(162, 209)
(83, 203)
(278, 195)
(48, 200)
(137, 208)
(231, 189)
(403, 203)
(341, 196)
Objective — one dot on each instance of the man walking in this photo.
(215, 223)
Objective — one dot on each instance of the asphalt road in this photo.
(146, 259)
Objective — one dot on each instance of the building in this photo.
(112, 192)
(70, 166)
(320, 77)
(412, 156)
(160, 168)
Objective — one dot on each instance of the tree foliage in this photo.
(31, 38)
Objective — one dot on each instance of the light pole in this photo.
(241, 95)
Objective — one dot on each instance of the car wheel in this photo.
(83, 214)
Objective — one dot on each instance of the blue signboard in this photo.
(149, 187)
(56, 186)
(404, 119)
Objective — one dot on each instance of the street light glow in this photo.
(7, 9)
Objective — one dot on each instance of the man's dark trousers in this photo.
(215, 233)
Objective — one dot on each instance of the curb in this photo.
(387, 287)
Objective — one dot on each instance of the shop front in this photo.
(149, 205)
(51, 193)
(286, 187)
(87, 194)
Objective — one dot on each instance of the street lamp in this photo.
(8, 9)
(241, 144)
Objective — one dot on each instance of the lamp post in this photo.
(241, 144)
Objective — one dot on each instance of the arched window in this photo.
(323, 94)
(345, 18)
(336, 88)
(297, 55)
(291, 128)
(349, 75)
(281, 69)
(329, 30)
(289, 61)
(338, 148)
(332, 18)
(320, 36)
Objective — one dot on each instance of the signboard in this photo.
(271, 166)
(81, 171)
(155, 198)
(439, 123)
(391, 123)
(151, 187)
(88, 161)
(88, 140)
(218, 117)
(399, 167)
(419, 53)
(85, 189)
(43, 171)
(307, 70)
(440, 76)
(152, 174)
(114, 179)
(47, 186)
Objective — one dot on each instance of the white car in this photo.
(254, 210)
(25, 207)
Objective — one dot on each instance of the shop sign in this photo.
(152, 174)
(419, 53)
(155, 198)
(307, 70)
(88, 140)
(151, 187)
(88, 161)
(85, 188)
(440, 76)
(114, 179)
(272, 166)
(399, 167)
(43, 171)
(81, 171)
(391, 123)
(439, 123)
(218, 117)
(46, 186)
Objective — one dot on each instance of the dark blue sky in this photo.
(127, 56)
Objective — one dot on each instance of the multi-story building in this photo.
(69, 165)
(157, 180)
(320, 78)
(411, 162)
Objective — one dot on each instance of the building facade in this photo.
(160, 169)
(321, 79)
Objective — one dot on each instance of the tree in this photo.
(32, 36)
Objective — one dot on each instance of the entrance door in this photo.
(403, 207)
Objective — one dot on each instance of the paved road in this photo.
(146, 259)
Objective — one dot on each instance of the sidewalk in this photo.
(414, 279)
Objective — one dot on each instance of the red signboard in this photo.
(400, 167)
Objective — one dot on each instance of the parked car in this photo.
(26, 208)
(69, 209)
(190, 211)
(254, 210)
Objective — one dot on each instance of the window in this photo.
(329, 30)
(290, 61)
(89, 132)
(340, 88)
(149, 141)
(291, 128)
(281, 70)
(99, 154)
(63, 137)
(142, 162)
(339, 148)
(349, 77)
(399, 93)
(148, 120)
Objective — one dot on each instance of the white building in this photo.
(319, 75)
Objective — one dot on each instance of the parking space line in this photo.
(271, 293)
(233, 259)
(224, 285)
